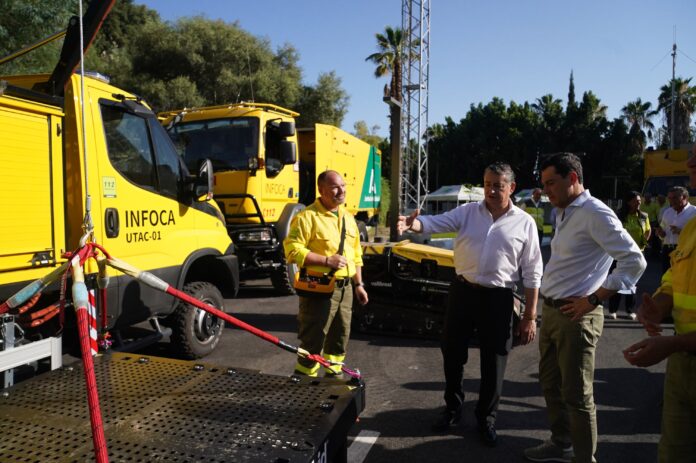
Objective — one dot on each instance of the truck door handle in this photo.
(111, 222)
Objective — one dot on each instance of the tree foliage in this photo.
(325, 103)
(191, 62)
(521, 134)
(23, 23)
(684, 107)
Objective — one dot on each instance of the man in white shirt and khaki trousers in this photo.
(495, 239)
(672, 220)
(588, 237)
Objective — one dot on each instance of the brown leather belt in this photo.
(555, 303)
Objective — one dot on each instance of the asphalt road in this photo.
(404, 382)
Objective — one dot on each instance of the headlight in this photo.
(257, 235)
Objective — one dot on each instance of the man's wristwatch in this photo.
(359, 284)
(593, 299)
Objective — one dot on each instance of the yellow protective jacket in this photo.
(318, 230)
(680, 280)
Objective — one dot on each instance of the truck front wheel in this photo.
(283, 277)
(195, 332)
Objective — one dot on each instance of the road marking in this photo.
(363, 442)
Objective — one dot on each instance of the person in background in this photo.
(495, 240)
(637, 224)
(664, 205)
(651, 207)
(533, 207)
(313, 242)
(676, 297)
(576, 280)
(673, 220)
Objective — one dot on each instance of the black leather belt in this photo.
(342, 282)
(555, 303)
(468, 283)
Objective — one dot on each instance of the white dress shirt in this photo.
(491, 253)
(678, 219)
(588, 236)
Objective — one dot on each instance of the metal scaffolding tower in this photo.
(415, 23)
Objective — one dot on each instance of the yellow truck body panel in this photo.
(31, 185)
(664, 169)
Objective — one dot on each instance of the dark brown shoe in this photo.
(447, 419)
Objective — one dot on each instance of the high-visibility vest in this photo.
(536, 211)
(680, 280)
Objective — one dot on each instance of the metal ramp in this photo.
(162, 410)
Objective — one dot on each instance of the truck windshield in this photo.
(661, 185)
(228, 143)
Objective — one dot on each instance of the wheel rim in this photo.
(206, 326)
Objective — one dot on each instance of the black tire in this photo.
(196, 333)
(283, 277)
(362, 229)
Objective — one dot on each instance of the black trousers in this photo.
(615, 301)
(488, 311)
(666, 261)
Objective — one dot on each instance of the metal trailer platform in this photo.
(162, 410)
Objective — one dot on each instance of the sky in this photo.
(511, 49)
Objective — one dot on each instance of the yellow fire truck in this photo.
(261, 182)
(665, 169)
(146, 208)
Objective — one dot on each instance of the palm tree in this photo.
(639, 114)
(550, 110)
(684, 107)
(390, 57)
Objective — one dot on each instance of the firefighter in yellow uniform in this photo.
(313, 243)
(676, 296)
(534, 208)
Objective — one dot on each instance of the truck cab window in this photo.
(168, 162)
(228, 143)
(274, 162)
(128, 145)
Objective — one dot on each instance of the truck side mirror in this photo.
(288, 152)
(286, 129)
(203, 189)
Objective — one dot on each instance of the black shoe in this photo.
(488, 434)
(446, 419)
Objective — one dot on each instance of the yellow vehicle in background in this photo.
(665, 169)
(265, 173)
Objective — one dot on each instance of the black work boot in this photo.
(488, 434)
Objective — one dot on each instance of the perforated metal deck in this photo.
(162, 410)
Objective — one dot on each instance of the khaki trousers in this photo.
(678, 440)
(566, 372)
(324, 327)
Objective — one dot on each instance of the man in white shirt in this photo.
(495, 239)
(673, 220)
(588, 237)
